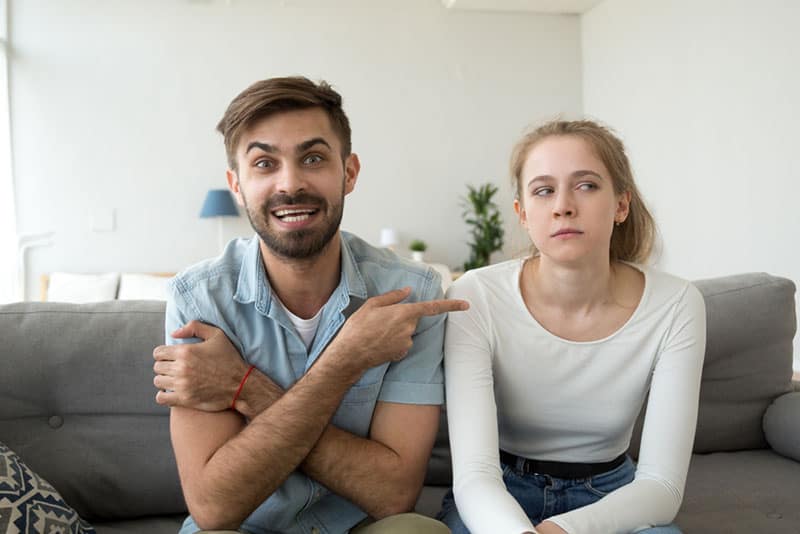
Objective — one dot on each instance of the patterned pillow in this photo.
(28, 503)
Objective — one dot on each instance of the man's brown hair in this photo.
(276, 95)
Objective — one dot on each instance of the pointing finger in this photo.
(391, 297)
(436, 307)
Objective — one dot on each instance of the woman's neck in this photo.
(573, 289)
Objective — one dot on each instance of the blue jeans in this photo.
(543, 496)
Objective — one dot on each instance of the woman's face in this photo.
(567, 202)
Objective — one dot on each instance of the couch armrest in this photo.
(782, 425)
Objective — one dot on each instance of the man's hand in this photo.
(381, 329)
(203, 376)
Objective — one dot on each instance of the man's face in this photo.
(291, 180)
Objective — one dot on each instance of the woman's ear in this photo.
(520, 211)
(623, 207)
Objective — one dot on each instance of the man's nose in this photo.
(290, 180)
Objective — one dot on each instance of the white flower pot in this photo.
(417, 255)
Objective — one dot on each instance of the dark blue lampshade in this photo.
(219, 202)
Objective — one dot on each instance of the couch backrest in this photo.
(77, 404)
(76, 394)
(751, 324)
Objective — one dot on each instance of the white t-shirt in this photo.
(306, 328)
(512, 384)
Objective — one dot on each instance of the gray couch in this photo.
(76, 403)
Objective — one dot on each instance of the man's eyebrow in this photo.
(266, 147)
(305, 145)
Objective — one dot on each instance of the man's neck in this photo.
(304, 286)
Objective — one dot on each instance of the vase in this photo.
(417, 255)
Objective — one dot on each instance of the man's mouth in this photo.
(294, 214)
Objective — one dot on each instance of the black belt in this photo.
(560, 469)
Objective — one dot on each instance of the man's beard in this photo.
(296, 244)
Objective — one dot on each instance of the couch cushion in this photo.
(150, 525)
(69, 287)
(751, 324)
(747, 491)
(28, 503)
(782, 425)
(77, 402)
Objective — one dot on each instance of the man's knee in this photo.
(409, 523)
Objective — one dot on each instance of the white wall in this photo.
(114, 106)
(706, 93)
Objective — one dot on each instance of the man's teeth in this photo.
(296, 218)
(294, 215)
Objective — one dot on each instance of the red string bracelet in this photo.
(241, 385)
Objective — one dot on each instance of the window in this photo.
(8, 218)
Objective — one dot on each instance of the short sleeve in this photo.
(178, 313)
(418, 378)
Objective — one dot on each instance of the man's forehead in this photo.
(286, 130)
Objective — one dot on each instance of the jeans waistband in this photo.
(561, 469)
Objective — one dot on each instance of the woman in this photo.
(548, 369)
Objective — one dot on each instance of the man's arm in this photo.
(215, 467)
(382, 474)
(228, 469)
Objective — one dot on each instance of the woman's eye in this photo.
(542, 191)
(587, 186)
(312, 159)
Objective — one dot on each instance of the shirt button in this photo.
(56, 421)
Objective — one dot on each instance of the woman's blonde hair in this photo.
(632, 240)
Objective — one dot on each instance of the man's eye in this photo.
(312, 159)
(264, 164)
(542, 191)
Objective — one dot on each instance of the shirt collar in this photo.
(253, 286)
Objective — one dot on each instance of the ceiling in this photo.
(534, 6)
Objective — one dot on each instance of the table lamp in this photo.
(219, 203)
(389, 238)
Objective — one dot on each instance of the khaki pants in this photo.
(394, 524)
(401, 524)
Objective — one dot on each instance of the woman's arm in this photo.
(483, 502)
(655, 495)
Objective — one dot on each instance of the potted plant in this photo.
(418, 248)
(483, 216)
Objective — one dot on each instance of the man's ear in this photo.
(233, 185)
(520, 211)
(351, 169)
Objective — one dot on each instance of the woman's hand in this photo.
(546, 527)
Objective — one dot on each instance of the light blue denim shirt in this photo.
(232, 293)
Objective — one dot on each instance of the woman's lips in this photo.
(566, 232)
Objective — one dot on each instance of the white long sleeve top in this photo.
(512, 384)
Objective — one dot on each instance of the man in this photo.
(312, 401)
